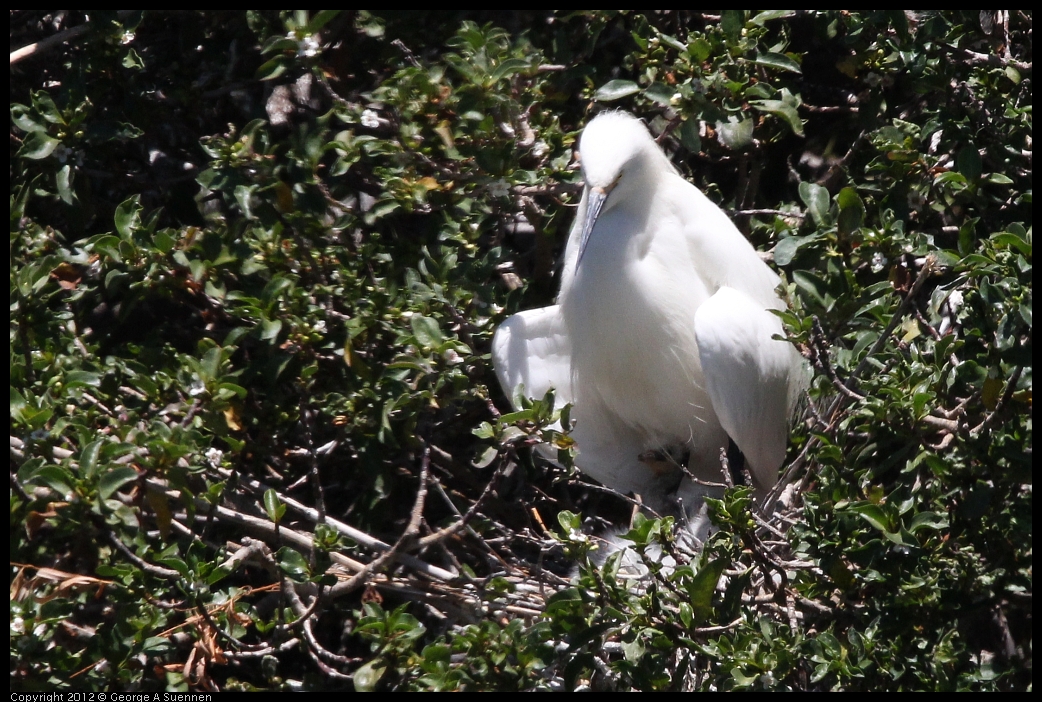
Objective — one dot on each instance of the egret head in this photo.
(616, 152)
(609, 143)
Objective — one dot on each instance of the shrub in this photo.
(257, 260)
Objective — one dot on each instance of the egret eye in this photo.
(664, 340)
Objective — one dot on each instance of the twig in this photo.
(459, 524)
(769, 527)
(413, 528)
(816, 606)
(948, 425)
(315, 650)
(409, 55)
(97, 403)
(135, 393)
(821, 359)
(351, 532)
(406, 538)
(718, 629)
(829, 108)
(205, 616)
(316, 482)
(249, 549)
(189, 534)
(264, 527)
(669, 129)
(977, 59)
(548, 189)
(461, 322)
(261, 652)
(1007, 395)
(158, 571)
(924, 275)
(17, 484)
(59, 38)
(779, 213)
(633, 501)
(304, 620)
(190, 414)
(470, 530)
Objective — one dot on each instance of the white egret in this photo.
(661, 337)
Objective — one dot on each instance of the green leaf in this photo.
(774, 60)
(520, 415)
(114, 479)
(672, 42)
(735, 135)
(699, 49)
(816, 198)
(210, 364)
(243, 195)
(1009, 239)
(228, 390)
(767, 15)
(659, 93)
(57, 478)
(63, 180)
(293, 564)
(156, 645)
(368, 675)
(968, 162)
(930, 520)
(89, 457)
(732, 22)
(272, 69)
(426, 330)
(43, 103)
(128, 217)
(701, 588)
(25, 119)
(633, 650)
(270, 329)
(483, 431)
(998, 179)
(176, 564)
(133, 60)
(507, 68)
(17, 401)
(873, 514)
(782, 109)
(164, 242)
(273, 506)
(786, 249)
(690, 137)
(569, 521)
(487, 456)
(320, 20)
(615, 89)
(741, 679)
(38, 145)
(851, 210)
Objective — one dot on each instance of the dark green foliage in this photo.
(257, 260)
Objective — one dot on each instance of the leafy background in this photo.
(257, 259)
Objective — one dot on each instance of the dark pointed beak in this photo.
(594, 202)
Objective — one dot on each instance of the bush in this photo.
(257, 261)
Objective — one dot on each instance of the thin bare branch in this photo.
(60, 38)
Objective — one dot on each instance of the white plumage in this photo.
(661, 336)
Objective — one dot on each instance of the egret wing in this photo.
(748, 376)
(532, 348)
